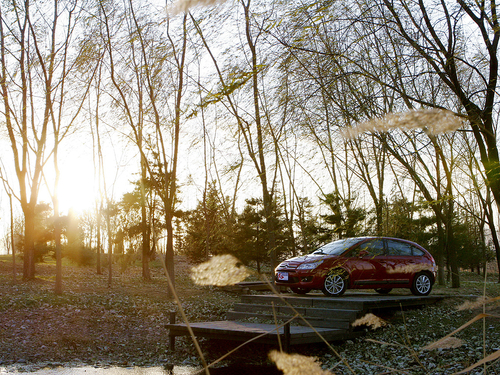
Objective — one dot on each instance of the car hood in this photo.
(309, 258)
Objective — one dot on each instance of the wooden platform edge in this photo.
(289, 335)
(260, 333)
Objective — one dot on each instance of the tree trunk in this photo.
(99, 245)
(169, 255)
(261, 164)
(29, 243)
(57, 234)
(146, 245)
(12, 242)
(110, 247)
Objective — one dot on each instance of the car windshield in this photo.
(337, 247)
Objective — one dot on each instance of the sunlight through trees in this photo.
(257, 128)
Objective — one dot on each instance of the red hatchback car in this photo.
(379, 263)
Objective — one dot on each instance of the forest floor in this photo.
(92, 323)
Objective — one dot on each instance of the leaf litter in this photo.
(125, 325)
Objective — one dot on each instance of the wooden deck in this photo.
(262, 333)
(331, 318)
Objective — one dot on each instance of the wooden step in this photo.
(341, 314)
(356, 301)
(317, 317)
(330, 317)
(264, 333)
(305, 301)
(315, 322)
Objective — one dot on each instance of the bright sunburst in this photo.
(78, 188)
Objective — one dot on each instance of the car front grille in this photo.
(287, 266)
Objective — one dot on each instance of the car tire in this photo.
(383, 290)
(300, 290)
(422, 284)
(335, 283)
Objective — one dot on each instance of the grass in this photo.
(125, 325)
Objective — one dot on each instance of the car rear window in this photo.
(337, 247)
(398, 248)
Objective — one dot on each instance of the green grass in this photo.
(472, 284)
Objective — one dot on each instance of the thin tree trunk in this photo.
(110, 247)
(266, 195)
(99, 245)
(12, 243)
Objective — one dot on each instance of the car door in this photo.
(364, 263)
(398, 262)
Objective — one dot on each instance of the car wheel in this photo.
(300, 290)
(422, 284)
(383, 290)
(335, 283)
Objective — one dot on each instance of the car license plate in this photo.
(282, 276)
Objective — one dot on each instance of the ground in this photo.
(124, 324)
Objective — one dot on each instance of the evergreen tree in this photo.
(345, 219)
(250, 235)
(208, 228)
(410, 221)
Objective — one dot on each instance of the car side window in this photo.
(370, 248)
(417, 251)
(396, 248)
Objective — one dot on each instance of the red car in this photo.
(379, 263)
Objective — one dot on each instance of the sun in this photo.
(78, 187)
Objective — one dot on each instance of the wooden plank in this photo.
(243, 331)
(384, 302)
(339, 314)
(314, 321)
(353, 301)
(332, 315)
(267, 299)
(251, 307)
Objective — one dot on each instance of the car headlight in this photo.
(309, 266)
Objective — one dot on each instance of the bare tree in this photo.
(62, 121)
(33, 51)
(169, 165)
(399, 55)
(147, 70)
(155, 72)
(10, 243)
(252, 121)
(129, 87)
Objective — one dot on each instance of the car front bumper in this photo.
(298, 279)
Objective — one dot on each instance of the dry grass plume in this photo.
(370, 320)
(296, 364)
(433, 121)
(221, 270)
(185, 5)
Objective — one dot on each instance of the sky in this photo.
(79, 187)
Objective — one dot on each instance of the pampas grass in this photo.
(448, 343)
(371, 321)
(221, 270)
(296, 364)
(479, 303)
(409, 268)
(433, 121)
(185, 5)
